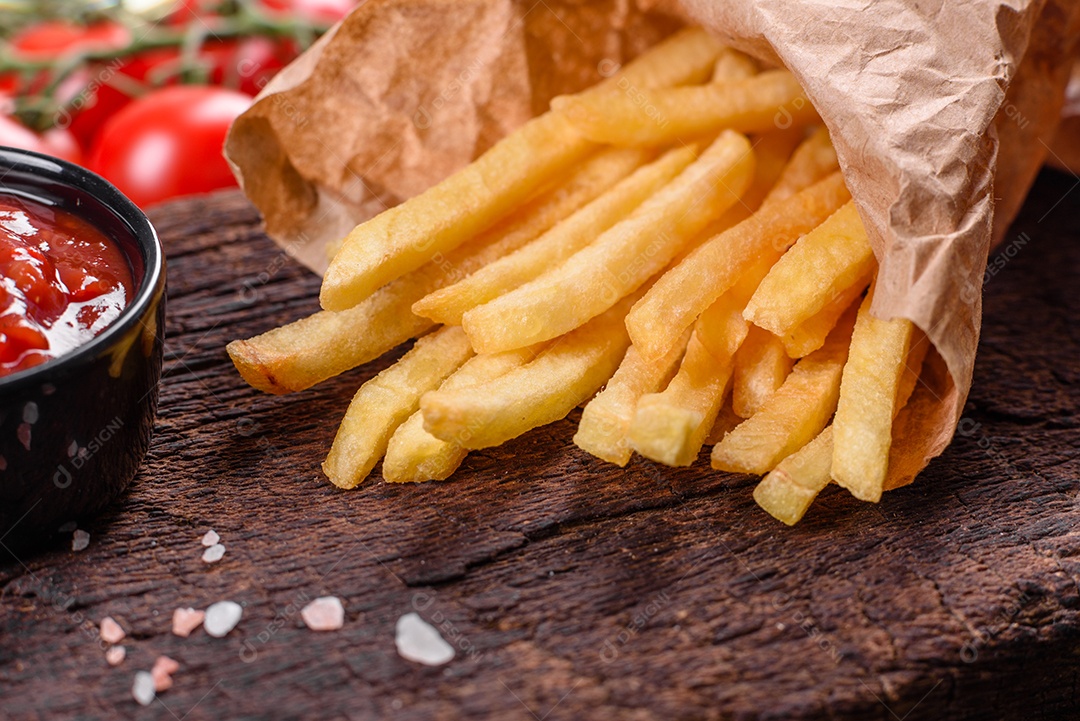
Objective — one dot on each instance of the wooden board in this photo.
(572, 588)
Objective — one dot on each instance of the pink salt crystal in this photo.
(210, 538)
(115, 655)
(165, 665)
(111, 631)
(324, 614)
(186, 620)
(164, 668)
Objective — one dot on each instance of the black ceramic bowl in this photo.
(74, 429)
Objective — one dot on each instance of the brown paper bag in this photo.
(942, 113)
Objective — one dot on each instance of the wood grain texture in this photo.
(573, 588)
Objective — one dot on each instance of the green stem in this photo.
(246, 22)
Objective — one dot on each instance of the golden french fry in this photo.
(862, 428)
(447, 305)
(686, 290)
(545, 390)
(606, 418)
(308, 351)
(788, 490)
(764, 102)
(733, 65)
(387, 400)
(686, 57)
(415, 455)
(814, 159)
(444, 216)
(821, 264)
(621, 260)
(761, 365)
(793, 415)
(670, 427)
(808, 336)
(405, 237)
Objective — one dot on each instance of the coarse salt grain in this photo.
(79, 540)
(164, 668)
(143, 688)
(115, 655)
(324, 614)
(419, 641)
(222, 617)
(186, 620)
(111, 631)
(210, 538)
(213, 554)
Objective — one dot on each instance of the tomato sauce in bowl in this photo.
(62, 281)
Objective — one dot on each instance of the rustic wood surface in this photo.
(573, 589)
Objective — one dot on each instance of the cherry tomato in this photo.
(321, 11)
(47, 40)
(56, 142)
(168, 143)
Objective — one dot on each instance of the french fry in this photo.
(686, 290)
(808, 336)
(862, 428)
(686, 57)
(670, 427)
(660, 116)
(761, 365)
(545, 390)
(821, 264)
(606, 418)
(415, 455)
(443, 217)
(403, 238)
(733, 65)
(793, 415)
(387, 400)
(447, 305)
(814, 159)
(788, 490)
(620, 261)
(308, 351)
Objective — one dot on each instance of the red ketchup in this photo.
(62, 281)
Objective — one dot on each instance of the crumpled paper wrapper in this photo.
(941, 112)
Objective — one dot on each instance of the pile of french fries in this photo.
(674, 247)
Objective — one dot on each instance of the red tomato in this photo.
(56, 142)
(168, 143)
(48, 39)
(322, 11)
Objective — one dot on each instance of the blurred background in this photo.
(143, 91)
